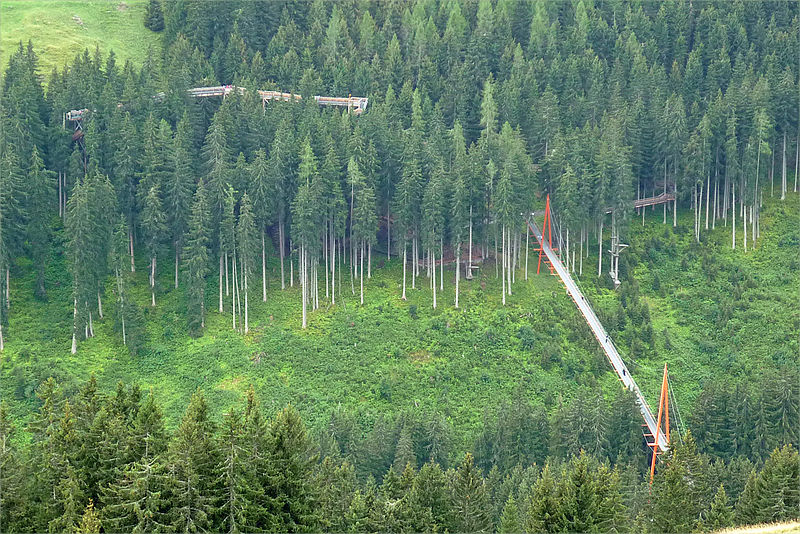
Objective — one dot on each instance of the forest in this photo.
(245, 213)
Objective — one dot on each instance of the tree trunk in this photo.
(369, 260)
(414, 263)
(301, 263)
(220, 283)
(227, 283)
(333, 269)
(99, 305)
(291, 265)
(432, 254)
(263, 265)
(388, 230)
(733, 216)
(405, 261)
(665, 191)
(441, 263)
(74, 326)
(469, 264)
(361, 276)
(130, 240)
(246, 321)
(527, 247)
(458, 270)
(233, 295)
(282, 252)
(503, 262)
(783, 167)
(153, 280)
(600, 247)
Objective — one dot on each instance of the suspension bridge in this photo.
(661, 442)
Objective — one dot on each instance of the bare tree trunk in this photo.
(509, 259)
(220, 282)
(458, 272)
(176, 267)
(233, 295)
(733, 216)
(527, 246)
(708, 197)
(74, 326)
(405, 261)
(432, 254)
(414, 263)
(153, 279)
(291, 265)
(246, 318)
(99, 305)
(369, 260)
(282, 252)
(263, 265)
(783, 168)
(361, 277)
(665, 190)
(503, 262)
(388, 231)
(302, 261)
(600, 247)
(469, 264)
(441, 265)
(326, 254)
(227, 282)
(130, 240)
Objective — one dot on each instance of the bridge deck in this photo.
(599, 332)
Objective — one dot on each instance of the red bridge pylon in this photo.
(663, 408)
(546, 229)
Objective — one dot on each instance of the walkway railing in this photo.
(600, 333)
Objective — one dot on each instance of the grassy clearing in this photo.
(390, 355)
(60, 29)
(717, 313)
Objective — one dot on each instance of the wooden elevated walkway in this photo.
(650, 201)
(600, 333)
(354, 104)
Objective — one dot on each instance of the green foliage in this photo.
(154, 16)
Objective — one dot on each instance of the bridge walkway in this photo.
(600, 333)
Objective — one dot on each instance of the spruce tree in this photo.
(192, 470)
(720, 516)
(154, 16)
(469, 501)
(246, 240)
(261, 195)
(40, 184)
(196, 260)
(178, 190)
(154, 227)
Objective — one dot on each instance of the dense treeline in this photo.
(611, 101)
(108, 462)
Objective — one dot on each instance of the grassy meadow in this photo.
(60, 29)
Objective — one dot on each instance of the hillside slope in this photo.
(60, 29)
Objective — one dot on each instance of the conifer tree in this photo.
(192, 469)
(40, 186)
(470, 503)
(90, 520)
(720, 516)
(154, 16)
(510, 520)
(196, 259)
(178, 190)
(154, 226)
(119, 255)
(295, 503)
(246, 240)
(261, 195)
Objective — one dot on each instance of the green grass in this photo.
(60, 29)
(718, 314)
(388, 356)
